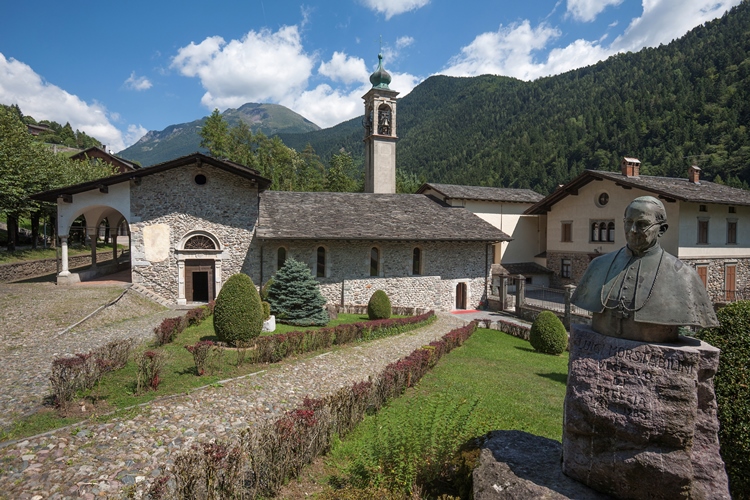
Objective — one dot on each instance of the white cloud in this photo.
(345, 69)
(404, 41)
(587, 10)
(394, 7)
(263, 66)
(137, 82)
(507, 51)
(664, 20)
(134, 133)
(19, 84)
(514, 51)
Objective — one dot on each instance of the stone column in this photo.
(93, 234)
(520, 290)
(503, 293)
(64, 253)
(569, 289)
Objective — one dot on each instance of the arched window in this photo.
(416, 261)
(384, 120)
(374, 261)
(321, 263)
(595, 231)
(280, 257)
(200, 242)
(603, 231)
(611, 231)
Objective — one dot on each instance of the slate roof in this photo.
(524, 268)
(483, 193)
(228, 166)
(364, 216)
(666, 188)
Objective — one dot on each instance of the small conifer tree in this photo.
(295, 296)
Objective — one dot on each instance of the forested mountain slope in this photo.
(670, 106)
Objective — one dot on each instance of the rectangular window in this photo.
(565, 268)
(702, 208)
(731, 232)
(732, 210)
(703, 273)
(567, 232)
(703, 231)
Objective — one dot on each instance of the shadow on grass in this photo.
(555, 377)
(525, 349)
(212, 338)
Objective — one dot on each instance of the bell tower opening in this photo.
(380, 133)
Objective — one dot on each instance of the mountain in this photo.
(671, 106)
(181, 139)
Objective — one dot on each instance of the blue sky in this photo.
(118, 69)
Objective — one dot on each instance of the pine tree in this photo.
(295, 296)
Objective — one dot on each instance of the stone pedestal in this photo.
(640, 418)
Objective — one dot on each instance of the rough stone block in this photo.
(640, 418)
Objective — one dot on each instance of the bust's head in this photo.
(645, 221)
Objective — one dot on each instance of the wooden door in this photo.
(199, 280)
(461, 296)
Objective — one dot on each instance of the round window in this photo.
(200, 179)
(603, 199)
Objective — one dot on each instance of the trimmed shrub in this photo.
(295, 296)
(379, 306)
(264, 290)
(238, 314)
(266, 310)
(548, 334)
(732, 386)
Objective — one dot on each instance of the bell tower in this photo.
(380, 133)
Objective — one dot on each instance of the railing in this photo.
(543, 297)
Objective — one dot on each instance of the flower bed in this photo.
(259, 461)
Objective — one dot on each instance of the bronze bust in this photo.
(641, 292)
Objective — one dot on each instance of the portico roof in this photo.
(228, 166)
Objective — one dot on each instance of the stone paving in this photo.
(99, 460)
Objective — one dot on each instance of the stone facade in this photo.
(348, 280)
(578, 264)
(168, 207)
(715, 282)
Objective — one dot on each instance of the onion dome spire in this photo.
(380, 78)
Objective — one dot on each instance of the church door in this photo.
(199, 280)
(730, 283)
(461, 296)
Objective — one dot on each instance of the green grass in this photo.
(46, 253)
(500, 379)
(117, 389)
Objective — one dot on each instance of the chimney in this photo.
(630, 167)
(694, 174)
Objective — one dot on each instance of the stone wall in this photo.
(578, 264)
(226, 207)
(33, 268)
(715, 276)
(348, 279)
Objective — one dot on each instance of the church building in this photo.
(196, 220)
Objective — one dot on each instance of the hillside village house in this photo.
(709, 224)
(196, 220)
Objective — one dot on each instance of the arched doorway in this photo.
(462, 294)
(199, 256)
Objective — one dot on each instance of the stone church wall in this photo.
(348, 279)
(168, 205)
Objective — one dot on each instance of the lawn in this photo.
(117, 390)
(495, 381)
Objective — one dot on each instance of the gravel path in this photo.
(98, 460)
(32, 317)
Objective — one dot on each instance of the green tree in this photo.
(341, 176)
(295, 296)
(215, 135)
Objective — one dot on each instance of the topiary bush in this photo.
(295, 296)
(238, 314)
(266, 310)
(379, 306)
(732, 386)
(548, 334)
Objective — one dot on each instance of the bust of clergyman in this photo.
(641, 292)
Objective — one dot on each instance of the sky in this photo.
(116, 70)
